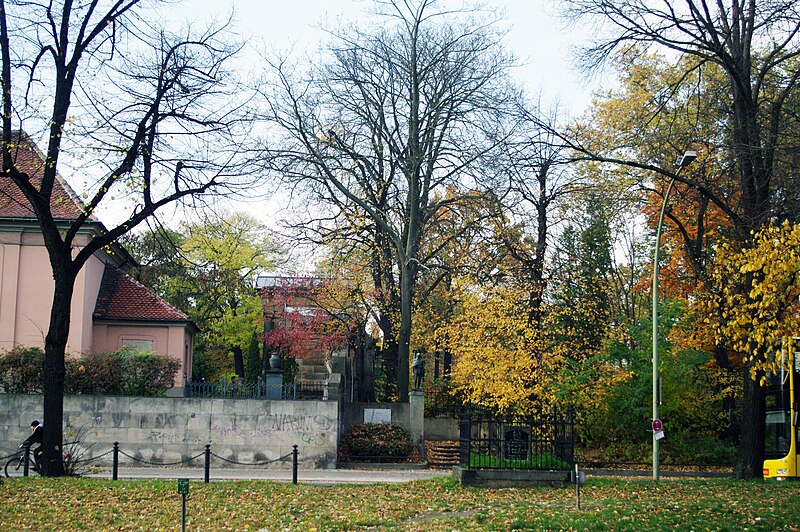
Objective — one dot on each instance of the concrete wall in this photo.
(439, 429)
(174, 429)
(353, 413)
(433, 429)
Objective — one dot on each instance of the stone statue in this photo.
(418, 368)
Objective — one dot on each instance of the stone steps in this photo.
(312, 370)
(442, 454)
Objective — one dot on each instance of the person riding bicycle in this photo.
(37, 436)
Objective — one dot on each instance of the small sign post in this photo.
(183, 489)
(658, 429)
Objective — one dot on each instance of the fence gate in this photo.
(544, 441)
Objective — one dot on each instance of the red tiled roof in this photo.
(64, 203)
(121, 297)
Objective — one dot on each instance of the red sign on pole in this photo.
(657, 425)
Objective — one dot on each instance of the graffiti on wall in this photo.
(162, 438)
(312, 429)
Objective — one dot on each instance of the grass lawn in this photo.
(437, 504)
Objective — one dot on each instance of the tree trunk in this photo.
(751, 445)
(730, 431)
(363, 363)
(389, 356)
(269, 325)
(238, 361)
(53, 373)
(404, 334)
(368, 380)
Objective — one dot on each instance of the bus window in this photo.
(777, 437)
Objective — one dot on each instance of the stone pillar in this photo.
(416, 416)
(274, 378)
(334, 389)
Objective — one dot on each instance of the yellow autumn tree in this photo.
(498, 361)
(755, 321)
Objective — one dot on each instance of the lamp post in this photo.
(683, 162)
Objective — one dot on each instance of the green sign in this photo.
(183, 486)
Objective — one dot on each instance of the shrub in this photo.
(217, 361)
(442, 400)
(21, 370)
(145, 373)
(371, 440)
(123, 372)
(701, 449)
(97, 374)
(77, 454)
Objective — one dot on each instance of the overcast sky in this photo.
(536, 35)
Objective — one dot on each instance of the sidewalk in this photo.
(304, 476)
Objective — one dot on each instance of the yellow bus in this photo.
(781, 435)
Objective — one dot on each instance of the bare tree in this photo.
(148, 111)
(540, 184)
(387, 121)
(756, 45)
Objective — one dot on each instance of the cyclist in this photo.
(37, 436)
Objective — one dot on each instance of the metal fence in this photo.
(297, 390)
(441, 401)
(489, 441)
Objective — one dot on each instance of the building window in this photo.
(138, 345)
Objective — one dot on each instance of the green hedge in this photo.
(123, 372)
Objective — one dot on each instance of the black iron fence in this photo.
(441, 401)
(297, 390)
(490, 441)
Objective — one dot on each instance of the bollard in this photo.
(294, 464)
(27, 458)
(207, 467)
(115, 469)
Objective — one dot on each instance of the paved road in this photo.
(304, 476)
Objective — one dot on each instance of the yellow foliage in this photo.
(498, 355)
(757, 299)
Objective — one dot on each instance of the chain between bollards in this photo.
(206, 466)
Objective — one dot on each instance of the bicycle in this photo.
(15, 466)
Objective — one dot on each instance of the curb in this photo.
(649, 473)
(375, 466)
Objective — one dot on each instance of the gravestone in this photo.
(516, 444)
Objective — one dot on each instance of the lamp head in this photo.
(686, 159)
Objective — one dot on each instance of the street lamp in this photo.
(682, 162)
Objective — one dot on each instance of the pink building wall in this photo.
(174, 341)
(26, 295)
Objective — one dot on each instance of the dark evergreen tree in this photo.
(252, 367)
